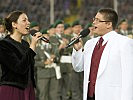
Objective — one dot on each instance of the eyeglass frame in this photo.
(98, 20)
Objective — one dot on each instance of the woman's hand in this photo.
(35, 39)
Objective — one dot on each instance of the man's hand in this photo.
(78, 45)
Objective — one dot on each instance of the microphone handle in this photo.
(73, 42)
(45, 39)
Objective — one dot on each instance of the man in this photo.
(51, 30)
(47, 80)
(68, 31)
(63, 58)
(34, 26)
(77, 84)
(76, 27)
(91, 34)
(123, 27)
(67, 54)
(108, 67)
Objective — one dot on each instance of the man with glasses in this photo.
(108, 67)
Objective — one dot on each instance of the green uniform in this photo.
(64, 61)
(47, 83)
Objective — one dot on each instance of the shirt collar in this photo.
(106, 37)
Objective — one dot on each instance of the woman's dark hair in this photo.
(110, 15)
(12, 17)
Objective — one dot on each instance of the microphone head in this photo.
(32, 32)
(84, 32)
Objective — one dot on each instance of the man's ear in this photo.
(14, 25)
(109, 24)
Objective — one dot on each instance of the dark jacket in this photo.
(16, 60)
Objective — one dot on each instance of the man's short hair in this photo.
(110, 15)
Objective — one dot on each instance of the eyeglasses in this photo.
(98, 20)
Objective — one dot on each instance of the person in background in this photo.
(68, 31)
(2, 29)
(64, 59)
(91, 34)
(123, 27)
(131, 31)
(17, 59)
(77, 77)
(47, 81)
(108, 67)
(130, 35)
(51, 30)
(34, 26)
(76, 27)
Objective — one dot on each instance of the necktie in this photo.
(95, 60)
(99, 45)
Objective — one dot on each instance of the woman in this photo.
(17, 59)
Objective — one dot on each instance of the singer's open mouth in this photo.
(95, 27)
(27, 28)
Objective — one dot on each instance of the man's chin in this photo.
(95, 32)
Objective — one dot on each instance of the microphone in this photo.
(83, 33)
(32, 32)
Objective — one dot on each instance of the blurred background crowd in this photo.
(68, 10)
(59, 21)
